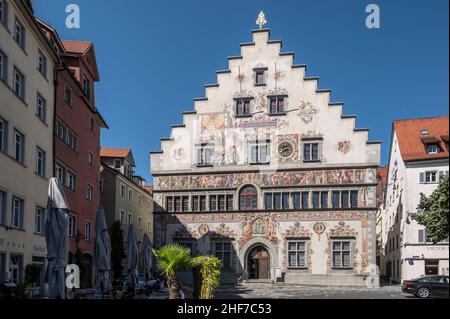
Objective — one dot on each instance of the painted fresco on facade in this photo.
(305, 154)
(318, 177)
(212, 121)
(297, 230)
(263, 225)
(344, 146)
(285, 216)
(306, 111)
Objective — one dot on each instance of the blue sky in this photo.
(155, 56)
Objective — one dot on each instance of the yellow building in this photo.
(124, 196)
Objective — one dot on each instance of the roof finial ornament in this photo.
(261, 22)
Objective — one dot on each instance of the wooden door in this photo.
(263, 269)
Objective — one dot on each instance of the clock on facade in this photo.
(285, 149)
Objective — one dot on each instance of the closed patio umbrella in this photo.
(42, 281)
(132, 258)
(146, 257)
(57, 238)
(102, 253)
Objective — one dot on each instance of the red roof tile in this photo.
(114, 152)
(382, 173)
(79, 47)
(413, 144)
(149, 189)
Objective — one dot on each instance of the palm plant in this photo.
(210, 272)
(170, 259)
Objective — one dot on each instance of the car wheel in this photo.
(423, 292)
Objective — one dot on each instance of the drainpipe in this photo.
(56, 71)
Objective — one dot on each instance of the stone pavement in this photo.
(283, 291)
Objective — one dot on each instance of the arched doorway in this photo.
(258, 263)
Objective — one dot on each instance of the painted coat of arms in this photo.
(306, 112)
(344, 146)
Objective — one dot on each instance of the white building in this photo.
(418, 158)
(27, 63)
(269, 175)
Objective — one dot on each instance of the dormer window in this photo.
(432, 149)
(243, 107)
(87, 87)
(277, 105)
(204, 155)
(424, 132)
(117, 163)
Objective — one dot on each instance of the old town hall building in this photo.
(267, 174)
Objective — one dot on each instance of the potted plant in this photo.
(209, 268)
(170, 259)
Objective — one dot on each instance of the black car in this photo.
(427, 286)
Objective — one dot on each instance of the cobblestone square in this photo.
(283, 291)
